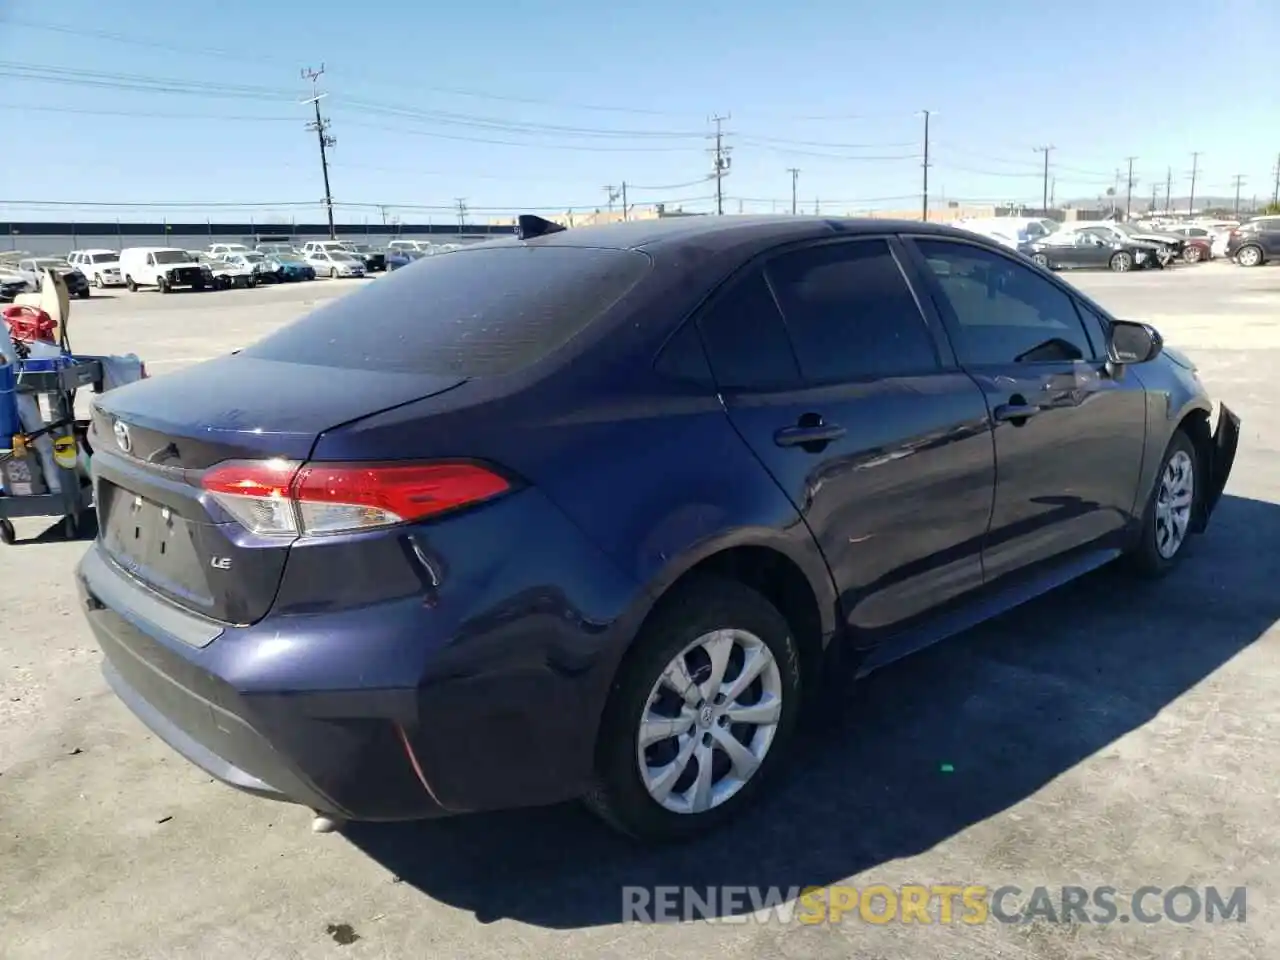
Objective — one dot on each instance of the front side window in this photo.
(1001, 311)
(850, 313)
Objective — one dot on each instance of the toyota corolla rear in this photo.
(376, 623)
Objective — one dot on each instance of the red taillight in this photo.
(285, 498)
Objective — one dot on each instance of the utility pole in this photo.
(924, 170)
(625, 211)
(1168, 189)
(1128, 196)
(1153, 198)
(1275, 191)
(321, 128)
(1053, 193)
(795, 176)
(462, 214)
(817, 207)
(1238, 179)
(1195, 169)
(608, 192)
(722, 162)
(1044, 194)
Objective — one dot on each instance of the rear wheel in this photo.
(333, 273)
(1171, 509)
(130, 285)
(7, 534)
(162, 284)
(1249, 256)
(1042, 260)
(1121, 262)
(1192, 255)
(84, 294)
(701, 714)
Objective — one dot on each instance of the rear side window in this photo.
(487, 312)
(850, 313)
(746, 341)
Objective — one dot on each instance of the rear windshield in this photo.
(482, 312)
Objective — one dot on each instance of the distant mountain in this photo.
(1176, 204)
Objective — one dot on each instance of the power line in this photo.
(321, 128)
(257, 60)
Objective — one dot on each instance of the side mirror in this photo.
(1133, 342)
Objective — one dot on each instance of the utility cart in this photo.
(28, 491)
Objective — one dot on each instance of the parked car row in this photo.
(218, 266)
(1122, 246)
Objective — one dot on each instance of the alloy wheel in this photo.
(1249, 257)
(1173, 504)
(709, 721)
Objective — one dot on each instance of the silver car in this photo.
(335, 264)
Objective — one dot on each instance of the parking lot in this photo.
(1116, 733)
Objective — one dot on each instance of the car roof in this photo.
(716, 233)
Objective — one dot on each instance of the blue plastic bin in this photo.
(9, 422)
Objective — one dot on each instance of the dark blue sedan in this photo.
(593, 513)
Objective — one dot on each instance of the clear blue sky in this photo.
(541, 103)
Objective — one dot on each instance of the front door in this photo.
(1069, 435)
(834, 377)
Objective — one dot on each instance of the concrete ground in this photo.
(1114, 734)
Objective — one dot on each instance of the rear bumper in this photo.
(403, 708)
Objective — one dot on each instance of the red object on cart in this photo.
(29, 324)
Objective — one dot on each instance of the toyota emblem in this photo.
(123, 440)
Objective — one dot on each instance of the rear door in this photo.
(834, 377)
(1068, 435)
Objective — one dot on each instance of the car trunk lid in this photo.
(154, 440)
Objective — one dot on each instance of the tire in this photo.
(333, 273)
(162, 285)
(130, 285)
(251, 282)
(7, 534)
(1155, 554)
(1192, 255)
(675, 631)
(1121, 262)
(97, 280)
(1249, 256)
(1041, 260)
(84, 294)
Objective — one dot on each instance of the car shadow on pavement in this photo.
(920, 750)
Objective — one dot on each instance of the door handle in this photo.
(803, 435)
(1016, 412)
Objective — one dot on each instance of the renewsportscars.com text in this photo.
(970, 904)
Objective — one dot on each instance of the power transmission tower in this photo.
(1128, 196)
(924, 169)
(321, 128)
(795, 177)
(1195, 169)
(462, 213)
(1238, 179)
(1168, 189)
(722, 161)
(1044, 197)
